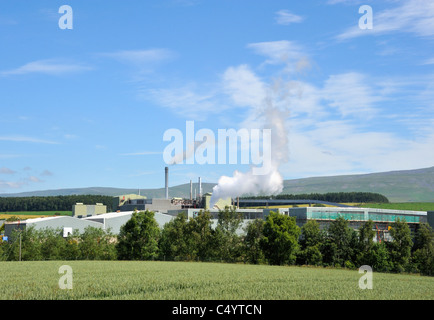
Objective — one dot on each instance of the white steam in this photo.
(240, 183)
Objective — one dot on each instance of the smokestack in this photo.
(200, 187)
(166, 171)
(191, 190)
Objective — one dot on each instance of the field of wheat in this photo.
(148, 280)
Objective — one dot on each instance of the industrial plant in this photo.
(165, 209)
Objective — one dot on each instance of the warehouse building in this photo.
(113, 221)
(67, 224)
(108, 221)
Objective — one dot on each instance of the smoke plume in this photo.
(270, 117)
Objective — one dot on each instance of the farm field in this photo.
(33, 214)
(150, 280)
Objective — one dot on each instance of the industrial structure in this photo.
(85, 210)
(167, 208)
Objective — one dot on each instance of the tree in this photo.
(311, 241)
(400, 247)
(341, 239)
(280, 241)
(95, 244)
(175, 239)
(201, 235)
(252, 241)
(138, 238)
(365, 243)
(24, 244)
(227, 241)
(52, 244)
(423, 256)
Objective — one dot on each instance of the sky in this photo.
(89, 105)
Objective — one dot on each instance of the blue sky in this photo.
(89, 106)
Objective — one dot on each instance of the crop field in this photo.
(149, 280)
(33, 214)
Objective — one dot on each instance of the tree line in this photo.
(51, 203)
(277, 240)
(338, 197)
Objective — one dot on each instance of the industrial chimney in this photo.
(166, 170)
(191, 190)
(200, 187)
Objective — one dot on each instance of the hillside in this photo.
(397, 186)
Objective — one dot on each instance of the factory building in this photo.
(113, 221)
(67, 224)
(123, 199)
(156, 205)
(382, 218)
(85, 210)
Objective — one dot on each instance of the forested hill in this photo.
(398, 186)
(51, 203)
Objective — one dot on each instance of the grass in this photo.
(33, 214)
(146, 280)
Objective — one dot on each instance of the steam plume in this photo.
(241, 183)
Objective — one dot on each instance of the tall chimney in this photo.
(191, 190)
(200, 187)
(166, 171)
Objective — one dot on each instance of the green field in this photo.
(33, 214)
(201, 281)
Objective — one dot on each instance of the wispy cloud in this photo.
(187, 100)
(49, 67)
(416, 17)
(46, 173)
(429, 61)
(26, 139)
(5, 170)
(142, 153)
(285, 17)
(143, 60)
(289, 53)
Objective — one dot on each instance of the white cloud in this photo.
(285, 17)
(50, 67)
(46, 173)
(5, 170)
(350, 94)
(416, 17)
(35, 179)
(139, 57)
(142, 153)
(243, 86)
(278, 52)
(186, 100)
(282, 52)
(26, 139)
(429, 61)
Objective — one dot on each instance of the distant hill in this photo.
(397, 186)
